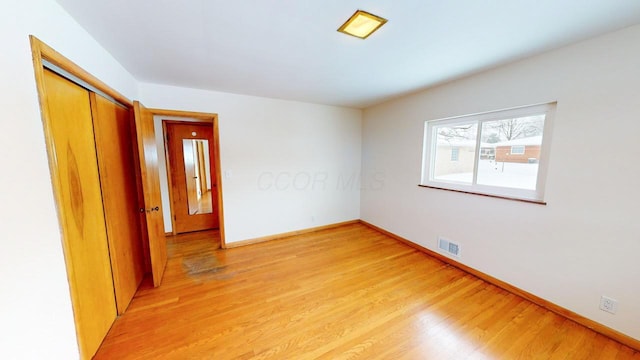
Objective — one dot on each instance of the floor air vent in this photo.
(449, 247)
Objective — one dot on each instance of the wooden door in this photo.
(150, 178)
(79, 200)
(114, 145)
(192, 212)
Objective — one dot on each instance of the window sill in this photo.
(538, 202)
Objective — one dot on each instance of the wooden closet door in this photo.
(79, 200)
(114, 145)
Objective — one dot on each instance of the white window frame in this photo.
(430, 144)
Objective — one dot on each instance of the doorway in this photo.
(192, 185)
(104, 172)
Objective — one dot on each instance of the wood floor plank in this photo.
(343, 293)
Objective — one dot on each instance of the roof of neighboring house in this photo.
(533, 140)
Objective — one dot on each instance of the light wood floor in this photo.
(344, 293)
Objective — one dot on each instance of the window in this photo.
(501, 153)
(517, 150)
(455, 153)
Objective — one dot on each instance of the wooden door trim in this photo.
(203, 117)
(198, 117)
(41, 51)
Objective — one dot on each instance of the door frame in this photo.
(191, 117)
(212, 160)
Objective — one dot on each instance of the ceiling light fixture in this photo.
(362, 24)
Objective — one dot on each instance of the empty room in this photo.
(209, 179)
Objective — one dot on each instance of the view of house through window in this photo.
(458, 141)
(495, 153)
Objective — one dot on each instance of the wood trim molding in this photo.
(566, 313)
(40, 50)
(205, 117)
(288, 234)
(216, 159)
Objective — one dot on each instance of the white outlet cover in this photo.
(608, 304)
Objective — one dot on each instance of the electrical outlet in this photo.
(608, 304)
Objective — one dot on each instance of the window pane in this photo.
(454, 153)
(517, 150)
(510, 152)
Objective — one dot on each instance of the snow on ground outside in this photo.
(511, 175)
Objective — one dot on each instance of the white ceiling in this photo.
(290, 49)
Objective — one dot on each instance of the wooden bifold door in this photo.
(103, 162)
(93, 164)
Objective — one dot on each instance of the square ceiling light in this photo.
(362, 24)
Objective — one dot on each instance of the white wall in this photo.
(586, 241)
(36, 319)
(285, 164)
